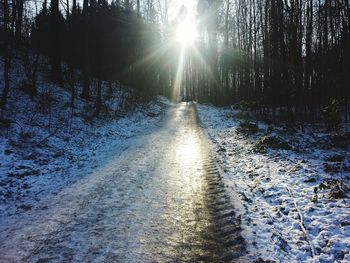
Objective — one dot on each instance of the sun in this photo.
(186, 33)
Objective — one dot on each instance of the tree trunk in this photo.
(7, 57)
(55, 46)
(19, 20)
(98, 98)
(85, 67)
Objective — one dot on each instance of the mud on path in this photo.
(162, 200)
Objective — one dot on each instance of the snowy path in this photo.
(162, 200)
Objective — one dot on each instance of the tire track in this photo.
(223, 234)
(225, 230)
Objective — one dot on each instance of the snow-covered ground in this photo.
(293, 200)
(135, 184)
(160, 201)
(50, 145)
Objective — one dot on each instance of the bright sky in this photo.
(186, 32)
(175, 6)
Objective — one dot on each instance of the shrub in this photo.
(337, 189)
(332, 115)
(335, 158)
(248, 128)
(271, 142)
(341, 140)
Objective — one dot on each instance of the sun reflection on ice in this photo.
(184, 217)
(188, 155)
(188, 150)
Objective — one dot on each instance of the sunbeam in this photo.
(179, 75)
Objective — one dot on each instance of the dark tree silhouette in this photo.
(285, 59)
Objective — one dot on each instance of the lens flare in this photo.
(186, 32)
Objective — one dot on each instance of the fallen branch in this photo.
(302, 226)
(51, 134)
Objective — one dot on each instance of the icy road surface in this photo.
(161, 200)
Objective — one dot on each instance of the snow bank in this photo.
(293, 201)
(50, 145)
